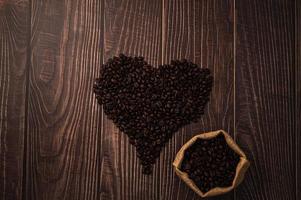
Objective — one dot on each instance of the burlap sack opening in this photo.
(240, 169)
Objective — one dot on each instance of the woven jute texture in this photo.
(240, 170)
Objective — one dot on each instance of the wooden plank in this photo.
(265, 108)
(298, 95)
(200, 31)
(63, 154)
(132, 27)
(14, 35)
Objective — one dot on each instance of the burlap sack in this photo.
(240, 170)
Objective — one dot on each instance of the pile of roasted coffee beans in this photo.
(150, 104)
(210, 163)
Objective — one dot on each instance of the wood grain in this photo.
(55, 141)
(298, 95)
(200, 31)
(14, 34)
(265, 108)
(63, 143)
(132, 27)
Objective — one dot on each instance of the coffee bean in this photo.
(206, 168)
(151, 104)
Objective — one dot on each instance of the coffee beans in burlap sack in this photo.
(211, 163)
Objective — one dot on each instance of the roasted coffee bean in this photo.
(150, 104)
(206, 171)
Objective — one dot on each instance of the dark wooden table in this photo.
(55, 141)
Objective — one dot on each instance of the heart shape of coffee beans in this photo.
(150, 104)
